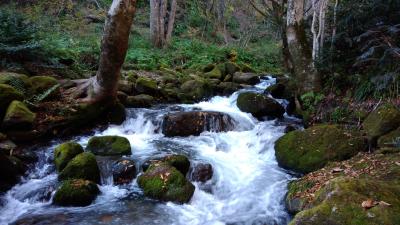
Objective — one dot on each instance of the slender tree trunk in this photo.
(114, 45)
(162, 21)
(305, 74)
(171, 21)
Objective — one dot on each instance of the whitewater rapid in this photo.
(248, 186)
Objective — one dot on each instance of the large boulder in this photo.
(231, 68)
(276, 90)
(7, 95)
(215, 73)
(41, 84)
(146, 86)
(124, 171)
(126, 86)
(311, 149)
(194, 123)
(227, 88)
(140, 101)
(18, 117)
(64, 153)
(259, 105)
(164, 182)
(83, 166)
(10, 170)
(195, 90)
(381, 121)
(76, 192)
(246, 78)
(109, 146)
(15, 80)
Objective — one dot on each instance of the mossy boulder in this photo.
(146, 86)
(7, 95)
(40, 84)
(109, 146)
(341, 202)
(246, 68)
(259, 105)
(227, 88)
(126, 86)
(76, 192)
(18, 117)
(64, 153)
(215, 73)
(83, 166)
(14, 79)
(231, 68)
(311, 149)
(164, 182)
(391, 140)
(180, 162)
(194, 90)
(185, 124)
(140, 101)
(246, 78)
(381, 121)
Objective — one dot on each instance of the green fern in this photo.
(18, 84)
(38, 98)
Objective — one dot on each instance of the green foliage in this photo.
(310, 100)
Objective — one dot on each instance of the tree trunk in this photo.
(162, 21)
(114, 45)
(305, 74)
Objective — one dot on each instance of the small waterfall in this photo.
(247, 187)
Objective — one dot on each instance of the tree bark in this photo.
(114, 45)
(305, 74)
(171, 21)
(162, 21)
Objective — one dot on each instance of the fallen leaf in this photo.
(369, 204)
(337, 170)
(384, 203)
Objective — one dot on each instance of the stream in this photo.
(248, 186)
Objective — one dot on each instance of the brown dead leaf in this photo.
(384, 203)
(337, 170)
(369, 203)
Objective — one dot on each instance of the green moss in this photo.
(383, 120)
(309, 150)
(65, 153)
(194, 90)
(392, 139)
(340, 203)
(140, 101)
(180, 162)
(18, 117)
(216, 73)
(18, 81)
(7, 95)
(231, 68)
(109, 146)
(41, 84)
(83, 166)
(76, 193)
(164, 182)
(295, 204)
(146, 86)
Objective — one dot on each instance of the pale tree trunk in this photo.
(162, 21)
(305, 74)
(114, 45)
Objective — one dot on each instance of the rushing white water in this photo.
(247, 187)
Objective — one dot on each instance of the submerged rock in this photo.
(18, 117)
(202, 172)
(83, 166)
(311, 149)
(246, 78)
(164, 182)
(124, 171)
(109, 146)
(65, 153)
(194, 123)
(381, 121)
(259, 105)
(76, 192)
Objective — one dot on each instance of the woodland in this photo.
(200, 112)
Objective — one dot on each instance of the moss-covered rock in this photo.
(310, 149)
(15, 80)
(227, 88)
(164, 182)
(180, 162)
(246, 68)
(259, 105)
(140, 101)
(126, 86)
(391, 140)
(83, 166)
(109, 146)
(381, 121)
(18, 117)
(40, 84)
(7, 95)
(76, 192)
(194, 90)
(246, 78)
(64, 153)
(146, 86)
(340, 202)
(216, 73)
(231, 68)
